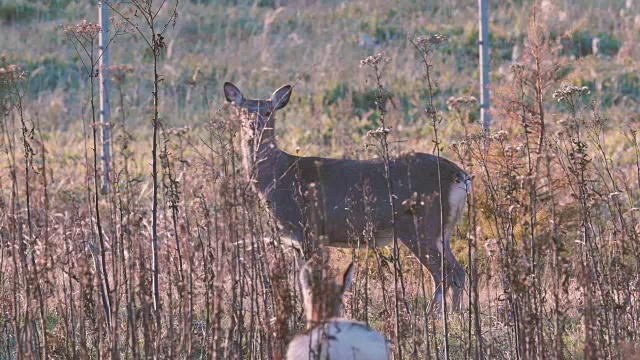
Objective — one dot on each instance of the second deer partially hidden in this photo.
(329, 336)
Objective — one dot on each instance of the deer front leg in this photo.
(456, 278)
(433, 266)
(455, 275)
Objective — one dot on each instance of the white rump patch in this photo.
(457, 201)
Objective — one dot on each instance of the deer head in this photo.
(261, 120)
(322, 298)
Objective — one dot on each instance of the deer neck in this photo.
(262, 157)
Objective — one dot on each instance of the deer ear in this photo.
(280, 97)
(347, 279)
(233, 94)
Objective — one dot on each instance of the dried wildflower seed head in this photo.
(179, 131)
(379, 132)
(427, 43)
(11, 74)
(373, 60)
(456, 103)
(500, 136)
(458, 146)
(566, 92)
(83, 29)
(518, 69)
(431, 40)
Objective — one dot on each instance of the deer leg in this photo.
(436, 301)
(456, 274)
(429, 250)
(430, 259)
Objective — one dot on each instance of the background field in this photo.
(550, 241)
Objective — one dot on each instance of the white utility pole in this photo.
(103, 65)
(484, 65)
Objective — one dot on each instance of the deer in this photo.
(277, 176)
(328, 335)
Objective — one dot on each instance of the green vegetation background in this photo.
(260, 48)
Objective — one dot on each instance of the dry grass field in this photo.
(179, 258)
